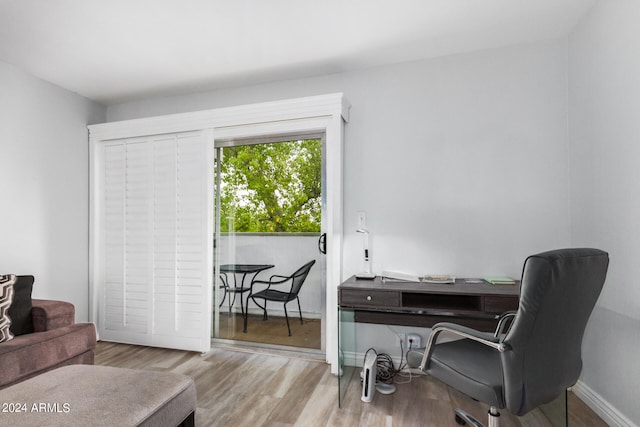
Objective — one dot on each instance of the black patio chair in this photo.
(270, 294)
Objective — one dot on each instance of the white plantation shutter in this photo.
(157, 203)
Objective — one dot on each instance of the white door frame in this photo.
(324, 113)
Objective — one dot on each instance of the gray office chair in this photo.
(539, 357)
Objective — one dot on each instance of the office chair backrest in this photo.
(300, 276)
(559, 290)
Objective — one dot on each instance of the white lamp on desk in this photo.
(367, 274)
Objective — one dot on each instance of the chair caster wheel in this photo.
(460, 421)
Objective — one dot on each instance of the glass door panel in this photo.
(268, 223)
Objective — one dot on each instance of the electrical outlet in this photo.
(414, 341)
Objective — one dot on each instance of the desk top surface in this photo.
(459, 287)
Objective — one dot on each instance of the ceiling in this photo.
(113, 51)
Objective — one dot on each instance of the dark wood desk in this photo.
(476, 305)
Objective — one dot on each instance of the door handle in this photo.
(322, 243)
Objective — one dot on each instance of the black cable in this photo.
(401, 367)
(385, 368)
(365, 355)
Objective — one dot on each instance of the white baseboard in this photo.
(357, 359)
(351, 359)
(600, 406)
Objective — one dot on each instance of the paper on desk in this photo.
(400, 276)
(430, 278)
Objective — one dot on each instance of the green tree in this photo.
(271, 187)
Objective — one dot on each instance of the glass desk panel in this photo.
(346, 351)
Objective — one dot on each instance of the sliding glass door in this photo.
(269, 194)
(152, 275)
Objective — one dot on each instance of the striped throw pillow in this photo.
(6, 298)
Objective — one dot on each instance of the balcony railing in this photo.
(287, 252)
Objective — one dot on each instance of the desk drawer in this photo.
(369, 298)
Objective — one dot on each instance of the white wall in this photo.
(44, 185)
(460, 162)
(604, 103)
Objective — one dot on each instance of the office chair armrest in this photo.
(502, 322)
(485, 338)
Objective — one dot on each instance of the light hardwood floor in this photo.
(245, 388)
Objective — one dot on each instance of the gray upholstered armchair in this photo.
(538, 356)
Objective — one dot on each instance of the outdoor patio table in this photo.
(245, 270)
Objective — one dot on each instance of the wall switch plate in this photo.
(362, 220)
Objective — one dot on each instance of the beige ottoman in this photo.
(88, 395)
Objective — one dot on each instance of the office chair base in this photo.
(463, 417)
